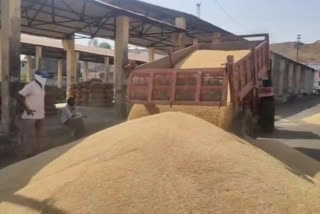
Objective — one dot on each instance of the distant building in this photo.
(316, 85)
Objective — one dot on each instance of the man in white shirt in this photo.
(72, 117)
(32, 99)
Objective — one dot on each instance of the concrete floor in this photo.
(293, 131)
(97, 119)
(57, 134)
(290, 129)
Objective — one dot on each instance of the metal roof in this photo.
(294, 61)
(61, 19)
(52, 48)
(196, 27)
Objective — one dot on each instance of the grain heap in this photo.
(181, 164)
(92, 93)
(210, 58)
(220, 116)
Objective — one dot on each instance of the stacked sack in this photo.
(92, 93)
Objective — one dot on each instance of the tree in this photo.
(97, 44)
(105, 45)
(94, 43)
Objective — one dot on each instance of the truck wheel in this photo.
(266, 114)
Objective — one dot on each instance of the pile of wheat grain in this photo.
(167, 163)
(210, 58)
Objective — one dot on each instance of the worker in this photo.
(31, 121)
(72, 117)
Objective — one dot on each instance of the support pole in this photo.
(290, 78)
(216, 38)
(59, 71)
(29, 69)
(282, 77)
(0, 57)
(195, 42)
(121, 60)
(106, 69)
(178, 38)
(10, 40)
(71, 61)
(85, 71)
(78, 67)
(151, 53)
(298, 77)
(38, 57)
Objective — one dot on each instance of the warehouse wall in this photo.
(290, 79)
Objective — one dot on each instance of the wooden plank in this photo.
(198, 87)
(173, 87)
(244, 92)
(225, 88)
(150, 88)
(165, 61)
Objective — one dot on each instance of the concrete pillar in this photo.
(178, 38)
(298, 81)
(0, 58)
(78, 67)
(71, 62)
(121, 60)
(282, 71)
(291, 78)
(302, 77)
(216, 38)
(29, 69)
(195, 42)
(151, 53)
(38, 57)
(10, 66)
(106, 69)
(59, 72)
(85, 71)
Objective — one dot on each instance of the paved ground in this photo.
(293, 131)
(56, 134)
(290, 128)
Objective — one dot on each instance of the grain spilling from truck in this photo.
(167, 163)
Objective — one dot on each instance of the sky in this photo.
(282, 19)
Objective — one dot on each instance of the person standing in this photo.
(31, 128)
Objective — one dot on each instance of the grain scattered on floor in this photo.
(314, 119)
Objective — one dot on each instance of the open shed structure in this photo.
(62, 19)
(43, 47)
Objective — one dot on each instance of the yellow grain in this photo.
(210, 58)
(314, 119)
(168, 163)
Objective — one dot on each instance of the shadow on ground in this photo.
(313, 153)
(295, 161)
(300, 104)
(291, 134)
(56, 136)
(22, 177)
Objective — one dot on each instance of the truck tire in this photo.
(266, 114)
